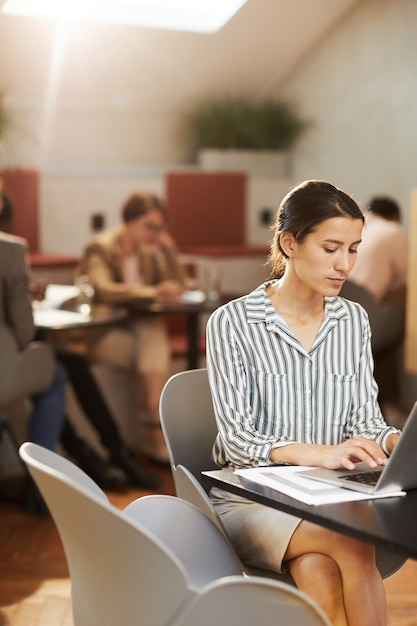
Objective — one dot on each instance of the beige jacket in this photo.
(102, 261)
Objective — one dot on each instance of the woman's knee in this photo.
(349, 554)
(319, 577)
(352, 552)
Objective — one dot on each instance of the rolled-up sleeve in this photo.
(239, 442)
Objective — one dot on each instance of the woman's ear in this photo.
(287, 242)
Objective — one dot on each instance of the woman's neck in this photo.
(301, 309)
(128, 248)
(296, 300)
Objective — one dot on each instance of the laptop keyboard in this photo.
(365, 478)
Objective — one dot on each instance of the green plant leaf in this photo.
(240, 123)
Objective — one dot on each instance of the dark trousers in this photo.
(92, 403)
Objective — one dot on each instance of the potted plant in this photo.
(237, 130)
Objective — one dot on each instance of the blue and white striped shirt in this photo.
(268, 391)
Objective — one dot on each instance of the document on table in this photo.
(48, 318)
(285, 479)
(193, 297)
(56, 295)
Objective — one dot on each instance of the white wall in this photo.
(96, 96)
(68, 203)
(360, 87)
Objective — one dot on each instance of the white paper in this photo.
(56, 295)
(286, 480)
(193, 297)
(49, 318)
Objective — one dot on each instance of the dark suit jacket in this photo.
(26, 367)
(15, 305)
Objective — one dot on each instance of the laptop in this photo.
(399, 474)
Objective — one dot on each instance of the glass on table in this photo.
(212, 282)
(85, 296)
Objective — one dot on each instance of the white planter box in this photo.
(255, 162)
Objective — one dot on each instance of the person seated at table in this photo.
(49, 424)
(100, 417)
(381, 269)
(16, 320)
(291, 375)
(137, 259)
(105, 472)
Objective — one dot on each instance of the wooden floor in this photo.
(34, 584)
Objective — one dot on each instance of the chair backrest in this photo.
(243, 601)
(190, 535)
(25, 372)
(189, 427)
(190, 489)
(188, 422)
(120, 573)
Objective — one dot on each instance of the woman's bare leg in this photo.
(362, 588)
(319, 576)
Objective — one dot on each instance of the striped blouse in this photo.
(268, 391)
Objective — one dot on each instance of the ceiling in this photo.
(126, 66)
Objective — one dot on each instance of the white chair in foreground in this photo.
(189, 427)
(144, 566)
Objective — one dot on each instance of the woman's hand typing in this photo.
(345, 454)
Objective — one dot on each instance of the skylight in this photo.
(203, 16)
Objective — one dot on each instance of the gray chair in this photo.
(189, 427)
(148, 564)
(387, 320)
(25, 372)
(22, 374)
(191, 536)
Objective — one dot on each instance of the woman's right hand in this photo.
(169, 290)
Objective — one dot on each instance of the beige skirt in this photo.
(259, 533)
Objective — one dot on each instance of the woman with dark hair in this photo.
(290, 369)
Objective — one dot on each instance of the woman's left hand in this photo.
(345, 454)
(352, 451)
